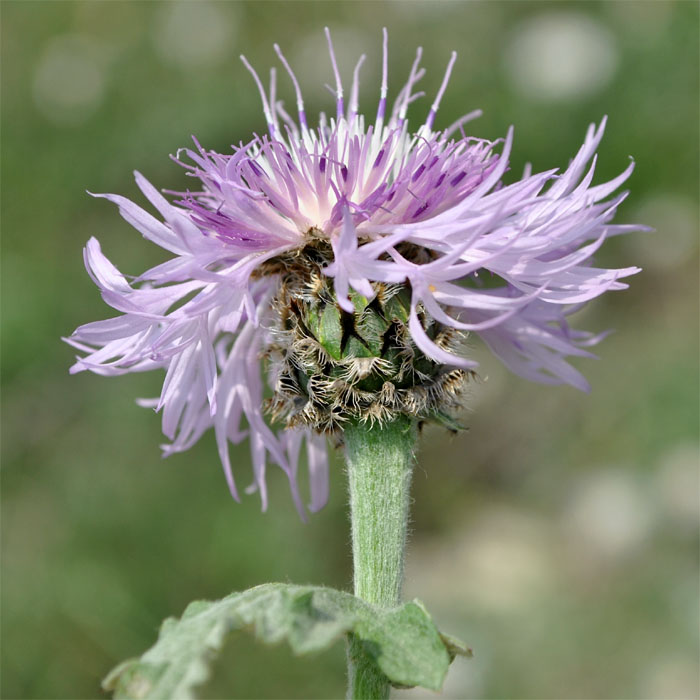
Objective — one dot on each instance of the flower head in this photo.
(346, 263)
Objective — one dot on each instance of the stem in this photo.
(380, 465)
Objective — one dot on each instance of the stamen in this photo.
(415, 96)
(261, 90)
(461, 122)
(273, 97)
(297, 89)
(288, 121)
(413, 77)
(436, 105)
(354, 91)
(336, 72)
(381, 109)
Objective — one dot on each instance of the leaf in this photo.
(409, 649)
(403, 641)
(456, 647)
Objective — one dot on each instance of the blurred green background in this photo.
(558, 536)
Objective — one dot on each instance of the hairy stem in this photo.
(380, 465)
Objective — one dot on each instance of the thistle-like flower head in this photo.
(345, 263)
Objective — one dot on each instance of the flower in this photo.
(347, 262)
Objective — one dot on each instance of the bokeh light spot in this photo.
(560, 56)
(609, 514)
(675, 220)
(193, 34)
(69, 80)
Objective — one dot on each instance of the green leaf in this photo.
(456, 647)
(403, 641)
(409, 649)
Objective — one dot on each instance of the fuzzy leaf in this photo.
(403, 641)
(456, 647)
(410, 650)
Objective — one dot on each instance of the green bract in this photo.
(334, 366)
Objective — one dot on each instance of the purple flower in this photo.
(386, 210)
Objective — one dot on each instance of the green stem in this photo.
(380, 465)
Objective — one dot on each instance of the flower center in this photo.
(331, 366)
